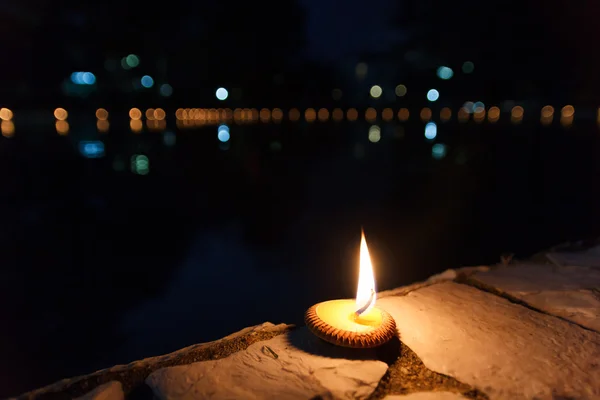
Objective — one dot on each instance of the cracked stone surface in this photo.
(504, 349)
(566, 291)
(295, 365)
(426, 396)
(109, 391)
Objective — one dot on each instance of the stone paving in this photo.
(518, 330)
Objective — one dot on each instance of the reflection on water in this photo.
(118, 245)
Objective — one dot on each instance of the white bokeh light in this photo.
(222, 93)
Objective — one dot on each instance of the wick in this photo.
(364, 308)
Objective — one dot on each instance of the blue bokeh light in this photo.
(430, 130)
(223, 133)
(445, 73)
(222, 93)
(433, 95)
(147, 81)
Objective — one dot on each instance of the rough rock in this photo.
(426, 396)
(569, 292)
(296, 365)
(504, 349)
(109, 391)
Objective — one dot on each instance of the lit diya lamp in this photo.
(353, 323)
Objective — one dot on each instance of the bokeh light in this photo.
(135, 114)
(376, 91)
(468, 67)
(374, 134)
(323, 114)
(433, 95)
(493, 114)
(102, 114)
(401, 90)
(7, 128)
(445, 114)
(387, 114)
(147, 81)
(223, 133)
(6, 114)
(222, 94)
(310, 115)
(426, 114)
(430, 130)
(403, 114)
(352, 114)
(371, 114)
(445, 73)
(61, 114)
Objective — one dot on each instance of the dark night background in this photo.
(102, 262)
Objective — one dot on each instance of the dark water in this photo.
(101, 265)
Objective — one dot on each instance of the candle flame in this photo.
(365, 294)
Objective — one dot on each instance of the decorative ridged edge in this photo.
(344, 338)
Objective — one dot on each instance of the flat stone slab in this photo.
(504, 349)
(426, 396)
(296, 365)
(109, 391)
(570, 292)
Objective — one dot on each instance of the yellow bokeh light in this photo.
(566, 121)
(150, 114)
(62, 127)
(102, 114)
(159, 114)
(426, 114)
(479, 115)
(135, 114)
(179, 113)
(493, 114)
(294, 114)
(102, 125)
(7, 128)
(238, 113)
(323, 114)
(277, 115)
(5, 114)
(371, 114)
(445, 114)
(403, 114)
(156, 125)
(387, 114)
(547, 111)
(136, 125)
(352, 114)
(567, 111)
(265, 115)
(337, 114)
(517, 112)
(310, 115)
(463, 114)
(61, 114)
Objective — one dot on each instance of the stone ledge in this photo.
(132, 375)
(519, 330)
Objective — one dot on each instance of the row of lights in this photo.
(371, 114)
(156, 118)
